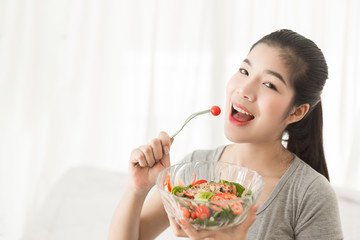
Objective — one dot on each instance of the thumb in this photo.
(250, 219)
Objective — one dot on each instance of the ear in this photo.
(297, 113)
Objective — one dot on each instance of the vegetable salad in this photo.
(210, 210)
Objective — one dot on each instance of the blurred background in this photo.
(83, 82)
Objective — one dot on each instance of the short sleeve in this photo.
(318, 216)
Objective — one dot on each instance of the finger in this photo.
(149, 156)
(250, 219)
(138, 156)
(188, 229)
(157, 149)
(165, 141)
(165, 161)
(193, 233)
(176, 227)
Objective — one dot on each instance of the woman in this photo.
(277, 89)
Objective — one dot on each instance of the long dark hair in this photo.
(308, 73)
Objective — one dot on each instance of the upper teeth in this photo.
(241, 111)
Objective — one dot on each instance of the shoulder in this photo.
(204, 155)
(309, 181)
(308, 186)
(317, 209)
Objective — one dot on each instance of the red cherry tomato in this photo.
(215, 110)
(200, 181)
(202, 212)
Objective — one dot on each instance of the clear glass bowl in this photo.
(220, 214)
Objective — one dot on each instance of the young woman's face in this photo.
(258, 97)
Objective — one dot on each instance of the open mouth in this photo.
(240, 114)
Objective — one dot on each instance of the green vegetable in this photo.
(204, 196)
(248, 193)
(224, 181)
(239, 188)
(225, 213)
(179, 189)
(206, 222)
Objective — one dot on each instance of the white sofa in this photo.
(81, 205)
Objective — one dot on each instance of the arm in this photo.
(131, 220)
(153, 210)
(126, 220)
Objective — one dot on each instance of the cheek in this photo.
(231, 85)
(276, 107)
(230, 88)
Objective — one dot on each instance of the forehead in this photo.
(264, 57)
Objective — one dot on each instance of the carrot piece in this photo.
(234, 190)
(193, 181)
(167, 180)
(180, 182)
(168, 183)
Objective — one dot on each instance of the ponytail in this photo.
(306, 140)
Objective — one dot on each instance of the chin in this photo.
(232, 135)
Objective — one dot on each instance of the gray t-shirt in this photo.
(303, 205)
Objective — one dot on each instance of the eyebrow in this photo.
(275, 74)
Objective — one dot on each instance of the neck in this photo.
(267, 159)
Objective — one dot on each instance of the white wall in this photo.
(84, 82)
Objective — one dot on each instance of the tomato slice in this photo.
(200, 181)
(236, 206)
(223, 196)
(185, 212)
(202, 212)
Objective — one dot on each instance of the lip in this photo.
(233, 120)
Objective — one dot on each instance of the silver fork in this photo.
(215, 110)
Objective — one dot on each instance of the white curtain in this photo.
(83, 82)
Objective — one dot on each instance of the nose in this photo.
(247, 90)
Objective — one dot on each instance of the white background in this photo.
(83, 82)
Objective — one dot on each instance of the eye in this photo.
(244, 71)
(270, 85)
